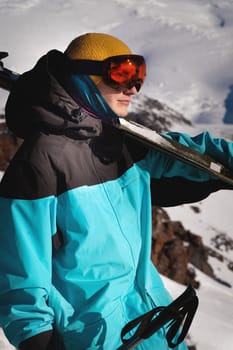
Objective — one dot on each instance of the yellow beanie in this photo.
(97, 47)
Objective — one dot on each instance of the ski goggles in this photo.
(123, 71)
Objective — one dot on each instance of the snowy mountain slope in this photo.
(212, 221)
(187, 43)
(156, 115)
(188, 49)
(212, 327)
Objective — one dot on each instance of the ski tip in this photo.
(3, 54)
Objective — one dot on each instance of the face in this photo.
(118, 100)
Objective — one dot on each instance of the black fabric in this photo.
(108, 145)
(52, 164)
(49, 340)
(39, 102)
(167, 192)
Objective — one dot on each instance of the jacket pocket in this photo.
(103, 334)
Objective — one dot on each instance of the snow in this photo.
(4, 344)
(188, 48)
(212, 326)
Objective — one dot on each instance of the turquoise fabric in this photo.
(103, 276)
(87, 95)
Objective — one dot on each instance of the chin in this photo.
(122, 114)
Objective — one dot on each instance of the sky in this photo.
(189, 53)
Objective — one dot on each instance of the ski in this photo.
(158, 142)
(148, 137)
(7, 76)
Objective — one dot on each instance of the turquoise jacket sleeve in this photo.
(219, 149)
(25, 259)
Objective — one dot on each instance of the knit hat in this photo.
(97, 47)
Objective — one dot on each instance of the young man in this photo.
(75, 207)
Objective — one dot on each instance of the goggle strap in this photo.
(86, 67)
(91, 67)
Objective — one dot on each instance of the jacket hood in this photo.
(38, 102)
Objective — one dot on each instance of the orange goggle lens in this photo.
(125, 71)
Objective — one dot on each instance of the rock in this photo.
(8, 146)
(174, 249)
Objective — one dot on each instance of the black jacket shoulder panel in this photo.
(30, 174)
(49, 165)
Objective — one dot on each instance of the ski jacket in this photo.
(75, 218)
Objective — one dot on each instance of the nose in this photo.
(131, 91)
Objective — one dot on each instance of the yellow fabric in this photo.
(97, 47)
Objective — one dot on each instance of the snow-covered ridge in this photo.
(187, 44)
(156, 115)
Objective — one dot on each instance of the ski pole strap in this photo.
(177, 317)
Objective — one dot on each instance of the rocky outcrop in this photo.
(8, 146)
(175, 249)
